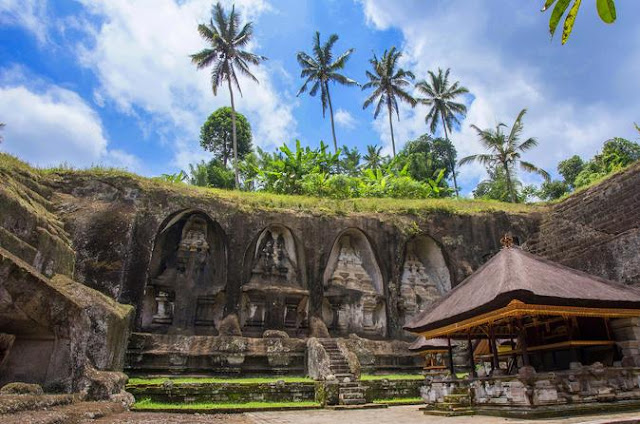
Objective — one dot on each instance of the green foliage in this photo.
(211, 174)
(425, 157)
(497, 187)
(216, 135)
(314, 172)
(319, 69)
(391, 377)
(148, 404)
(616, 154)
(570, 168)
(606, 11)
(177, 178)
(444, 110)
(552, 190)
(159, 381)
(505, 151)
(373, 158)
(389, 83)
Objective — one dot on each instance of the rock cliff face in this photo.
(79, 246)
(121, 231)
(597, 230)
(54, 331)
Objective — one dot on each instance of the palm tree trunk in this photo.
(512, 194)
(235, 141)
(393, 141)
(333, 128)
(451, 163)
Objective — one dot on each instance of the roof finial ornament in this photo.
(507, 240)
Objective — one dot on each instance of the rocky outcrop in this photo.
(61, 329)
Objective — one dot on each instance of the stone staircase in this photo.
(351, 391)
(455, 404)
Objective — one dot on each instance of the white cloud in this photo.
(345, 119)
(140, 54)
(50, 125)
(30, 14)
(501, 86)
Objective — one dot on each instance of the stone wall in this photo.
(229, 392)
(392, 389)
(133, 215)
(596, 230)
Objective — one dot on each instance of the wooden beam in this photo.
(451, 368)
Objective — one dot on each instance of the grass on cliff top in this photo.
(218, 380)
(148, 404)
(269, 201)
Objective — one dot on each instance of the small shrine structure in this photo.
(557, 339)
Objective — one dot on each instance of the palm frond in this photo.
(529, 167)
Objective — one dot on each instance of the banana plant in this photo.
(606, 11)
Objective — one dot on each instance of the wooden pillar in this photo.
(472, 363)
(573, 352)
(522, 339)
(451, 368)
(495, 364)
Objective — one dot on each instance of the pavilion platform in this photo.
(543, 340)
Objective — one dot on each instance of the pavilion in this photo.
(434, 352)
(555, 335)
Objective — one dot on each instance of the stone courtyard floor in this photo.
(106, 413)
(392, 415)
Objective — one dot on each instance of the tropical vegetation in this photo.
(216, 135)
(606, 11)
(320, 69)
(389, 84)
(444, 110)
(505, 152)
(227, 39)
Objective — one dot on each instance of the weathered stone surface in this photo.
(61, 327)
(18, 388)
(318, 328)
(230, 326)
(596, 230)
(275, 334)
(318, 364)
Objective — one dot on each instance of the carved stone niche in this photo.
(425, 276)
(354, 300)
(275, 297)
(186, 290)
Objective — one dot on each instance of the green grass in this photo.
(219, 380)
(250, 201)
(148, 404)
(399, 401)
(370, 377)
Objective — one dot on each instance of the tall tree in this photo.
(389, 84)
(227, 39)
(444, 109)
(319, 69)
(373, 159)
(505, 151)
(216, 135)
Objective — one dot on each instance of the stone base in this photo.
(557, 410)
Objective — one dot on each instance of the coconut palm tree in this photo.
(444, 110)
(389, 84)
(505, 151)
(225, 55)
(373, 158)
(319, 69)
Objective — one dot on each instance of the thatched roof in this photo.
(421, 344)
(514, 274)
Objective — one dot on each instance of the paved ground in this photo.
(106, 413)
(411, 415)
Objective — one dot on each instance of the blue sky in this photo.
(109, 81)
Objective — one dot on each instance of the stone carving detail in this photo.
(349, 272)
(274, 297)
(187, 292)
(416, 290)
(425, 277)
(352, 302)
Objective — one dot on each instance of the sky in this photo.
(109, 82)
